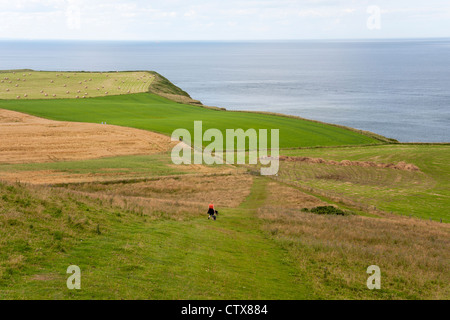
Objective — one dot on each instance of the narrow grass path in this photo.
(197, 259)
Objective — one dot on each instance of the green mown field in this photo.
(151, 112)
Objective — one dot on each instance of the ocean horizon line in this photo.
(393, 39)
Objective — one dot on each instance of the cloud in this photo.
(213, 19)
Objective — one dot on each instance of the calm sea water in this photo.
(400, 89)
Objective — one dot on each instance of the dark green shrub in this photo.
(328, 210)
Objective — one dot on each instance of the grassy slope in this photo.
(136, 258)
(155, 113)
(151, 256)
(335, 251)
(422, 194)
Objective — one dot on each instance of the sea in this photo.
(397, 88)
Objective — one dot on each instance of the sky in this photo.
(223, 19)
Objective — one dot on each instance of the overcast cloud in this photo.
(220, 19)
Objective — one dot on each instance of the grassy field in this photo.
(261, 247)
(29, 84)
(335, 250)
(124, 254)
(424, 193)
(136, 225)
(104, 169)
(155, 113)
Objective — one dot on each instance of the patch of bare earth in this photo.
(29, 139)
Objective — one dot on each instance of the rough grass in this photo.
(152, 240)
(335, 251)
(227, 190)
(111, 169)
(38, 223)
(164, 88)
(70, 85)
(132, 255)
(280, 195)
(104, 169)
(423, 193)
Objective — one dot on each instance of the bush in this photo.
(328, 210)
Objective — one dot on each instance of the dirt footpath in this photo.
(25, 139)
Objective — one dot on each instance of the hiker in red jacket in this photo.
(212, 211)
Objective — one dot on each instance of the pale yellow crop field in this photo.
(66, 85)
